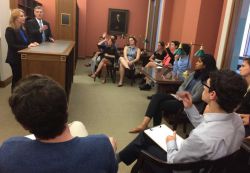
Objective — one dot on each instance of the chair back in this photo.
(147, 163)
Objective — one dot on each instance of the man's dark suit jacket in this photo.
(15, 43)
(33, 31)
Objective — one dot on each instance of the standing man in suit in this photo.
(39, 29)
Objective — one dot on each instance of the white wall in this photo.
(5, 71)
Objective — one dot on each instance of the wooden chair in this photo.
(114, 67)
(111, 71)
(130, 74)
(150, 164)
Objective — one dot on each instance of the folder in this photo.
(159, 135)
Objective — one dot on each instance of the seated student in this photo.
(169, 103)
(131, 55)
(182, 62)
(40, 106)
(158, 55)
(168, 60)
(96, 58)
(108, 57)
(244, 108)
(218, 133)
(155, 59)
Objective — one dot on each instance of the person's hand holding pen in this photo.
(186, 98)
(171, 137)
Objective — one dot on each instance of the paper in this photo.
(159, 135)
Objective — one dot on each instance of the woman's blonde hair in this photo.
(15, 13)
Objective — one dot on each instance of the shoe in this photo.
(145, 87)
(87, 65)
(120, 85)
(104, 80)
(136, 130)
(93, 76)
(149, 97)
(143, 81)
(90, 74)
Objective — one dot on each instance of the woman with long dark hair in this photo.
(170, 103)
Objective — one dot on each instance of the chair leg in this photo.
(113, 76)
(132, 77)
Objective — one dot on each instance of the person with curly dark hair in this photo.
(40, 106)
(218, 132)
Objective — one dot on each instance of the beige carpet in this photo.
(103, 108)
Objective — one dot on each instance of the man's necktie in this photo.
(43, 33)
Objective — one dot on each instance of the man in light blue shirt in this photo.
(218, 133)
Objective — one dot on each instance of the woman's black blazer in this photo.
(15, 43)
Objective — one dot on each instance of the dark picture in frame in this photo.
(118, 21)
(65, 19)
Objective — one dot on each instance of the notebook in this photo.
(159, 134)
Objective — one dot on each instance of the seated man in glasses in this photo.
(218, 133)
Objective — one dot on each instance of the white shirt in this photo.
(40, 22)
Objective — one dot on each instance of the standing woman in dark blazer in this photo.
(17, 39)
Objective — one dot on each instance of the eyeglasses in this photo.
(204, 84)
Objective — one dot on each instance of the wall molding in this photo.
(5, 82)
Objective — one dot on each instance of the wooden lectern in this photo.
(52, 59)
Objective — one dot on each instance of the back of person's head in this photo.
(176, 43)
(15, 14)
(209, 62)
(230, 89)
(186, 48)
(162, 44)
(40, 106)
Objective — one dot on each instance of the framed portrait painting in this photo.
(118, 21)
